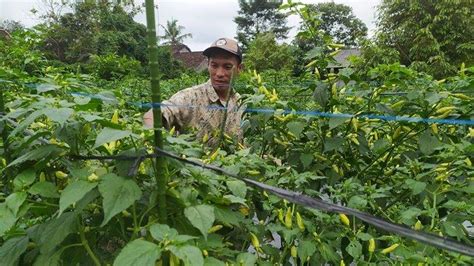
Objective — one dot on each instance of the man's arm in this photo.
(171, 116)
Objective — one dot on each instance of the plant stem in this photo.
(136, 226)
(160, 162)
(433, 215)
(4, 127)
(85, 244)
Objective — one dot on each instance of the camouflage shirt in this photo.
(199, 107)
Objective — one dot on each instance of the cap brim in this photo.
(209, 51)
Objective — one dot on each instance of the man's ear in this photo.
(240, 67)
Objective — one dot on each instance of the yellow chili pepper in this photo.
(299, 221)
(418, 225)
(205, 138)
(344, 219)
(371, 245)
(115, 117)
(215, 228)
(93, 177)
(390, 249)
(214, 155)
(294, 252)
(42, 177)
(288, 219)
(280, 216)
(254, 240)
(60, 174)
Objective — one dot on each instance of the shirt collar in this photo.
(212, 94)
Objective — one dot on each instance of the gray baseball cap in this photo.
(225, 44)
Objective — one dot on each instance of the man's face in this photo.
(221, 67)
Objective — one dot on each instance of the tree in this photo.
(174, 32)
(265, 53)
(259, 16)
(93, 28)
(338, 21)
(11, 25)
(101, 34)
(432, 36)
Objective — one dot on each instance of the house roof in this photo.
(179, 48)
(194, 60)
(342, 58)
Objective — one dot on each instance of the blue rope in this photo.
(297, 112)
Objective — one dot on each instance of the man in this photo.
(203, 106)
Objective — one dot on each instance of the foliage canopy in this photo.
(259, 16)
(431, 36)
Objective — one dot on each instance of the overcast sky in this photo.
(206, 20)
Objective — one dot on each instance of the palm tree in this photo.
(173, 32)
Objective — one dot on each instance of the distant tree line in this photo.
(432, 36)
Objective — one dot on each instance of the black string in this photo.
(296, 197)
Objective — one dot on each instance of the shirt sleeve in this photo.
(177, 111)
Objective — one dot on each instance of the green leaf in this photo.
(354, 249)
(428, 143)
(46, 87)
(74, 192)
(306, 249)
(56, 230)
(316, 51)
(201, 217)
(59, 115)
(12, 249)
(453, 229)
(109, 134)
(364, 236)
(296, 128)
(211, 261)
(49, 259)
(26, 122)
(321, 94)
(306, 159)
(336, 121)
(408, 216)
(246, 259)
(237, 187)
(228, 217)
(14, 201)
(118, 193)
(334, 143)
(138, 252)
(24, 179)
(328, 252)
(44, 189)
(416, 187)
(163, 232)
(37, 154)
(231, 199)
(190, 255)
(357, 202)
(7, 218)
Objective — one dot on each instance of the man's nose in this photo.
(220, 72)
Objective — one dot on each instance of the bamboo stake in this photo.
(4, 126)
(160, 162)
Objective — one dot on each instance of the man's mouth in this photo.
(221, 83)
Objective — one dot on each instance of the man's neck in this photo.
(222, 93)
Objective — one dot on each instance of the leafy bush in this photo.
(111, 66)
